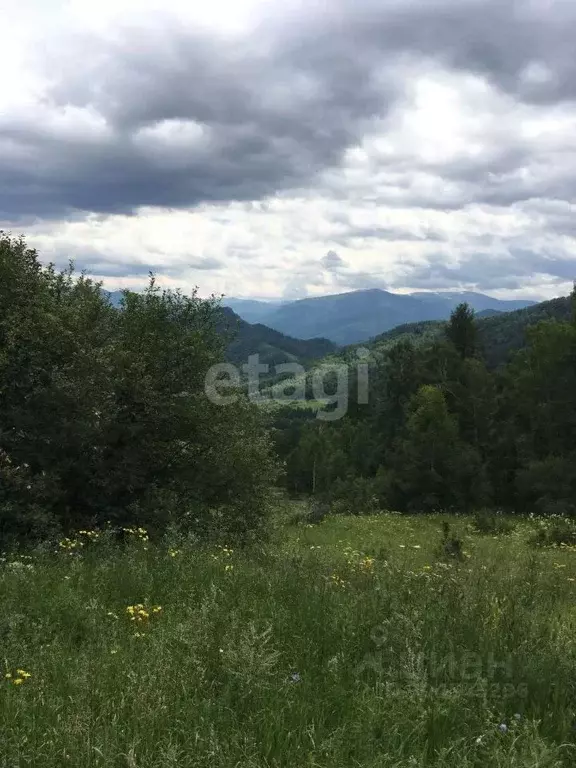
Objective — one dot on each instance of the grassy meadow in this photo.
(359, 641)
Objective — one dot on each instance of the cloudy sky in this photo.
(282, 148)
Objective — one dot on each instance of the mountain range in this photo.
(502, 328)
(349, 318)
(356, 316)
(253, 310)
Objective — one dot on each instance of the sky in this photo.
(286, 149)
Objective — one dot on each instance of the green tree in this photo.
(317, 460)
(397, 378)
(435, 469)
(104, 414)
(540, 400)
(462, 332)
(54, 332)
(542, 390)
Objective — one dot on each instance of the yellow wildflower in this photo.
(139, 613)
(18, 677)
(23, 674)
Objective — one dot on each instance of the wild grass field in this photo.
(360, 641)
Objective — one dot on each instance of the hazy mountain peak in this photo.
(355, 316)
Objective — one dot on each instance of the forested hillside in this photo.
(272, 347)
(446, 430)
(500, 334)
(503, 334)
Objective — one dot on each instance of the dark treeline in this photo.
(445, 430)
(104, 416)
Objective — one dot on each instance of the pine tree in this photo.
(462, 332)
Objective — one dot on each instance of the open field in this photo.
(355, 642)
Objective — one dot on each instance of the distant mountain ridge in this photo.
(252, 310)
(373, 314)
(272, 347)
(356, 316)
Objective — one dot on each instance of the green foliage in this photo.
(353, 496)
(548, 486)
(490, 522)
(103, 412)
(502, 335)
(462, 331)
(498, 336)
(434, 468)
(441, 431)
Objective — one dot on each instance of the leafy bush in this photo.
(353, 496)
(548, 487)
(493, 522)
(104, 415)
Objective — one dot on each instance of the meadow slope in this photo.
(354, 642)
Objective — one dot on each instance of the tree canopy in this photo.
(104, 417)
(444, 431)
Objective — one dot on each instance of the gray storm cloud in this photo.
(161, 115)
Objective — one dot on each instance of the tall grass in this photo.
(345, 644)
